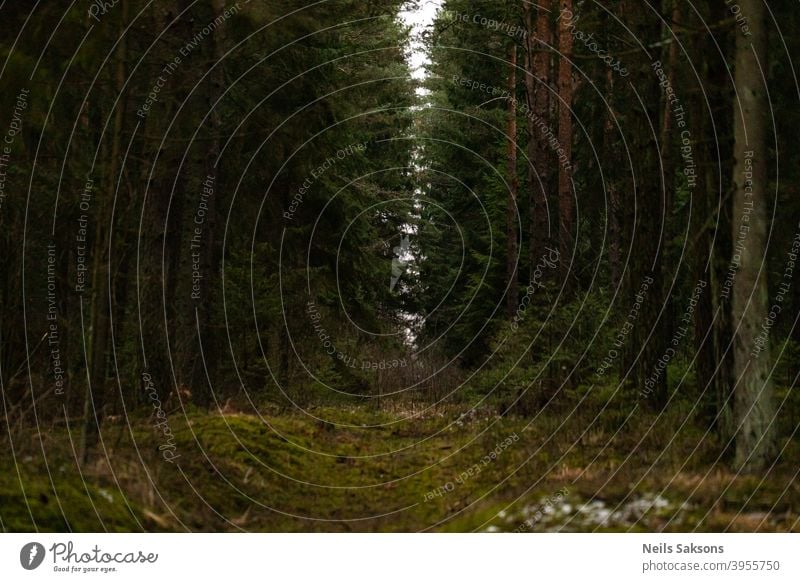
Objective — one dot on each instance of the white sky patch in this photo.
(419, 19)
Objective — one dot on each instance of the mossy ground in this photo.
(362, 469)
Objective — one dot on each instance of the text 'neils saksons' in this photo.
(664, 548)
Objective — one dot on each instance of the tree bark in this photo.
(537, 85)
(644, 213)
(512, 246)
(611, 154)
(96, 393)
(566, 210)
(206, 365)
(754, 408)
(711, 368)
(668, 157)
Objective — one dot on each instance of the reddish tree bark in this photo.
(537, 86)
(566, 209)
(512, 249)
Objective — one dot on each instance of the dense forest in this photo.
(264, 271)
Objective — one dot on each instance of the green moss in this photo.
(69, 506)
(292, 472)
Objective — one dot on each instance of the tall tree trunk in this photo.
(754, 408)
(705, 340)
(512, 247)
(668, 145)
(566, 210)
(718, 176)
(96, 392)
(667, 153)
(710, 368)
(165, 320)
(611, 153)
(645, 211)
(205, 368)
(537, 85)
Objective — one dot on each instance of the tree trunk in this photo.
(566, 210)
(512, 247)
(705, 338)
(668, 145)
(611, 154)
(206, 365)
(754, 408)
(537, 85)
(644, 213)
(710, 368)
(95, 396)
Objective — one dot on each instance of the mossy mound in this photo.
(31, 502)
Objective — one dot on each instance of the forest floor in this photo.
(410, 468)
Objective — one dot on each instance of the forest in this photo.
(399, 266)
